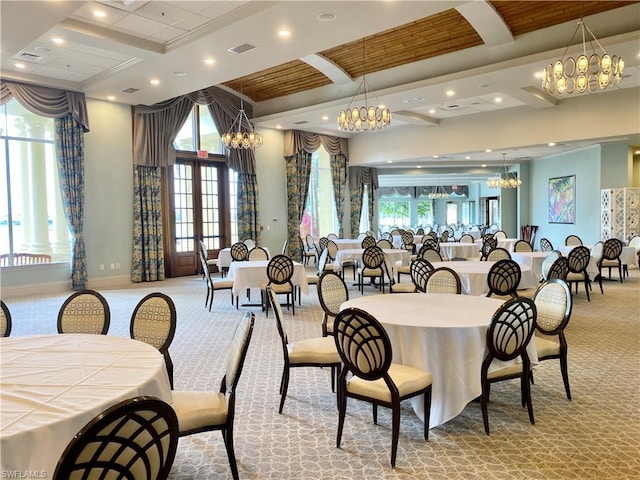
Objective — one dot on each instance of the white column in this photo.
(24, 205)
(61, 240)
(38, 178)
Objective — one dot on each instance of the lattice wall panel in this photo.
(620, 213)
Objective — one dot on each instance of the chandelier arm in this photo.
(596, 40)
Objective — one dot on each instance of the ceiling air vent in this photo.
(130, 90)
(452, 106)
(245, 47)
(302, 122)
(30, 57)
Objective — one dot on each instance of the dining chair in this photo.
(239, 252)
(84, 311)
(420, 271)
(572, 240)
(279, 273)
(285, 247)
(500, 235)
(489, 243)
(213, 284)
(332, 236)
(258, 253)
(611, 251)
(498, 253)
(310, 250)
(545, 245)
(635, 243)
(559, 269)
(407, 242)
(522, 246)
(332, 292)
(153, 321)
(211, 262)
(372, 260)
(444, 237)
(367, 241)
(429, 254)
(205, 411)
(553, 306)
(5, 320)
(443, 280)
(368, 373)
(135, 439)
(466, 238)
(322, 242)
(249, 242)
(578, 260)
(504, 278)
(314, 277)
(508, 335)
(551, 257)
(420, 231)
(385, 244)
(310, 352)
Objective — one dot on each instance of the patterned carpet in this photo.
(595, 436)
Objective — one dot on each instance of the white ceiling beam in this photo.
(329, 69)
(487, 22)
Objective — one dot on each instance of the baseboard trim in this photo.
(103, 283)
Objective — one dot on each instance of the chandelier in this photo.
(586, 72)
(504, 178)
(241, 138)
(438, 193)
(366, 117)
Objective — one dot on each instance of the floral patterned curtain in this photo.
(148, 252)
(70, 155)
(298, 173)
(339, 180)
(355, 193)
(248, 207)
(358, 178)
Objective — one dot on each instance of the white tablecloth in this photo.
(224, 257)
(392, 255)
(443, 334)
(348, 243)
(473, 276)
(252, 274)
(51, 386)
(451, 250)
(532, 260)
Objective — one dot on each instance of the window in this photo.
(393, 213)
(364, 214)
(452, 213)
(32, 218)
(320, 217)
(199, 133)
(425, 212)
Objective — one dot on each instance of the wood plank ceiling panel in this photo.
(528, 16)
(438, 34)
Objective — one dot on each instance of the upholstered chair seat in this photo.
(407, 379)
(198, 410)
(313, 350)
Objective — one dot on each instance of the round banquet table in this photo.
(473, 275)
(51, 386)
(443, 334)
(532, 260)
(451, 250)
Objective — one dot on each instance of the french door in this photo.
(199, 205)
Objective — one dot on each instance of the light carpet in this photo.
(595, 436)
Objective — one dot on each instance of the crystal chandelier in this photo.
(504, 178)
(366, 117)
(586, 72)
(241, 138)
(438, 192)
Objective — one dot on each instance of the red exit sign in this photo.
(203, 154)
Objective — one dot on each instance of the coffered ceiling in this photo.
(412, 53)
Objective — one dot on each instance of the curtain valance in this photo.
(363, 176)
(47, 102)
(296, 140)
(153, 149)
(460, 190)
(397, 191)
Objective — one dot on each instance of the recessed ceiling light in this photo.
(637, 152)
(552, 144)
(467, 157)
(325, 117)
(111, 98)
(498, 99)
(432, 111)
(419, 166)
(279, 127)
(450, 93)
(488, 150)
(179, 74)
(284, 33)
(436, 156)
(154, 81)
(413, 100)
(327, 17)
(209, 61)
(484, 165)
(389, 161)
(20, 65)
(99, 13)
(57, 40)
(538, 75)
